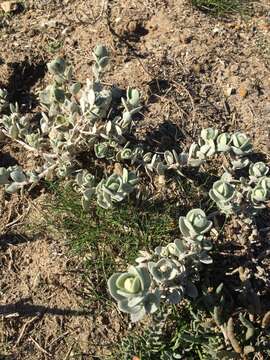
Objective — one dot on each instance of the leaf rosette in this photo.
(194, 224)
(223, 142)
(163, 270)
(241, 144)
(258, 169)
(130, 290)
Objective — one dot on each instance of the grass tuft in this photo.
(108, 239)
(221, 7)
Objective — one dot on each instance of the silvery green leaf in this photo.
(14, 131)
(148, 157)
(170, 249)
(183, 158)
(258, 169)
(57, 66)
(194, 224)
(18, 176)
(265, 182)
(100, 51)
(135, 317)
(125, 154)
(208, 149)
(240, 163)
(126, 188)
(68, 73)
(133, 97)
(183, 228)
(103, 62)
(241, 144)
(209, 134)
(88, 193)
(126, 118)
(152, 302)
(13, 108)
(104, 201)
(195, 162)
(44, 123)
(163, 270)
(91, 97)
(161, 168)
(135, 110)
(125, 175)
(159, 250)
(227, 177)
(101, 150)
(180, 245)
(12, 188)
(207, 244)
(46, 96)
(222, 191)
(59, 95)
(223, 142)
(96, 70)
(205, 258)
(259, 194)
(125, 104)
(75, 88)
(33, 177)
(169, 157)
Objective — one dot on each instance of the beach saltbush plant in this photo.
(85, 133)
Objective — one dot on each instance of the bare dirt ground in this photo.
(193, 70)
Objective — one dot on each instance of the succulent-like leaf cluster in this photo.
(169, 271)
(244, 195)
(108, 191)
(115, 188)
(91, 119)
(259, 194)
(236, 145)
(223, 193)
(195, 224)
(130, 289)
(98, 120)
(75, 120)
(14, 178)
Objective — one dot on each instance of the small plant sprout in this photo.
(241, 144)
(222, 193)
(163, 270)
(209, 134)
(131, 291)
(115, 188)
(223, 142)
(207, 142)
(101, 57)
(259, 195)
(258, 169)
(194, 224)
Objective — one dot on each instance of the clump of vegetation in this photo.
(221, 7)
(85, 134)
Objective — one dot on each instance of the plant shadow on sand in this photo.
(22, 308)
(24, 76)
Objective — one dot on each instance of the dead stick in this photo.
(39, 347)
